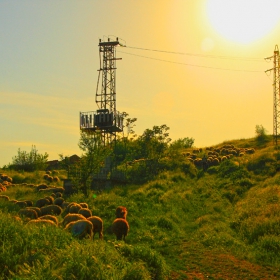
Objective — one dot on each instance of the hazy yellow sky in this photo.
(196, 66)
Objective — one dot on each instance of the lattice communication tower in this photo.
(276, 94)
(106, 118)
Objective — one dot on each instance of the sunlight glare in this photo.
(243, 21)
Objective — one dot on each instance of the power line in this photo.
(199, 55)
(193, 65)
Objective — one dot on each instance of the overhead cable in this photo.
(200, 55)
(193, 65)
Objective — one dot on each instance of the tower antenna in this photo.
(276, 94)
(106, 119)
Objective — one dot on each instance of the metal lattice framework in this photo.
(276, 95)
(107, 98)
(106, 119)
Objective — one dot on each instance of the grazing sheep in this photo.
(193, 156)
(190, 159)
(224, 158)
(69, 205)
(42, 202)
(6, 183)
(58, 190)
(28, 213)
(84, 205)
(58, 194)
(120, 228)
(37, 209)
(51, 210)
(250, 151)
(215, 161)
(80, 229)
(121, 212)
(29, 203)
(75, 208)
(48, 177)
(41, 187)
(21, 204)
(85, 212)
(198, 162)
(6, 178)
(56, 179)
(49, 217)
(38, 222)
(72, 218)
(4, 197)
(65, 204)
(50, 198)
(58, 201)
(97, 226)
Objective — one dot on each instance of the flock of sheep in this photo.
(73, 217)
(214, 156)
(5, 181)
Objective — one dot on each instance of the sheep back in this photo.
(49, 217)
(84, 205)
(37, 209)
(4, 197)
(72, 218)
(97, 225)
(59, 201)
(21, 204)
(75, 208)
(85, 212)
(28, 213)
(29, 203)
(120, 228)
(50, 198)
(42, 202)
(51, 210)
(38, 222)
(80, 229)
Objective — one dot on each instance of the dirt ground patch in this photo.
(202, 263)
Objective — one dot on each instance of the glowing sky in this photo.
(49, 60)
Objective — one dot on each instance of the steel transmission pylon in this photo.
(107, 120)
(276, 94)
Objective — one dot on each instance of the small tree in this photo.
(261, 134)
(151, 146)
(29, 161)
(92, 159)
(182, 143)
(123, 147)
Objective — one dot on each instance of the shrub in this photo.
(227, 168)
(29, 161)
(263, 165)
(155, 263)
(261, 134)
(213, 169)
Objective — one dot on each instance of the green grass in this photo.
(222, 224)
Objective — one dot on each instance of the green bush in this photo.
(29, 161)
(262, 165)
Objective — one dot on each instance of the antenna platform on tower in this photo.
(106, 118)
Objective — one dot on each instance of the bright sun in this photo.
(243, 21)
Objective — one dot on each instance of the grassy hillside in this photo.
(222, 223)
